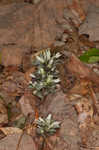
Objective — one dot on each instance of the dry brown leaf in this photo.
(77, 10)
(27, 104)
(10, 142)
(3, 113)
(79, 69)
(11, 57)
(80, 87)
(11, 130)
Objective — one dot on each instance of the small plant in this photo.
(47, 126)
(90, 56)
(45, 78)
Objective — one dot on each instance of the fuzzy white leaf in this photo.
(40, 59)
(41, 119)
(42, 71)
(48, 119)
(49, 79)
(32, 75)
(50, 63)
(56, 80)
(57, 55)
(34, 92)
(30, 82)
(55, 124)
(48, 54)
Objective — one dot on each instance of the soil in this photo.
(27, 29)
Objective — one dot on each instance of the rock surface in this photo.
(91, 24)
(23, 26)
(11, 142)
(11, 55)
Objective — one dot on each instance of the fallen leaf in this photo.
(27, 104)
(0, 57)
(3, 113)
(10, 142)
(77, 10)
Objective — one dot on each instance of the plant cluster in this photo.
(45, 78)
(47, 126)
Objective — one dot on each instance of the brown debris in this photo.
(3, 113)
(80, 70)
(27, 103)
(75, 103)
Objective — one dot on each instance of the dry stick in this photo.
(27, 121)
(84, 146)
(43, 144)
(94, 99)
(45, 141)
(49, 145)
(17, 148)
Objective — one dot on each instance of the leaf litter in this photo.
(74, 104)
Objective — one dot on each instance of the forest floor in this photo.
(68, 89)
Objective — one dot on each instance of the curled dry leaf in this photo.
(3, 113)
(11, 130)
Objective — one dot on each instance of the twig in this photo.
(94, 99)
(43, 144)
(94, 147)
(19, 141)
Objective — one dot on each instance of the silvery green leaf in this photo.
(32, 75)
(48, 54)
(46, 75)
(30, 82)
(42, 71)
(40, 59)
(40, 131)
(57, 55)
(34, 92)
(56, 80)
(49, 79)
(55, 124)
(48, 119)
(40, 119)
(45, 55)
(51, 131)
(34, 84)
(41, 84)
(39, 94)
(52, 69)
(50, 63)
(30, 86)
